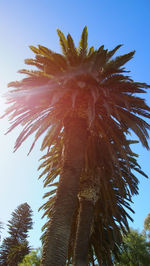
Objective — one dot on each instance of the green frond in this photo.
(141, 172)
(45, 51)
(96, 59)
(91, 51)
(71, 45)
(83, 44)
(72, 51)
(138, 125)
(48, 194)
(60, 60)
(31, 81)
(34, 49)
(112, 52)
(32, 72)
(119, 61)
(51, 136)
(142, 85)
(33, 62)
(100, 59)
(54, 184)
(100, 49)
(47, 141)
(51, 177)
(63, 42)
(53, 64)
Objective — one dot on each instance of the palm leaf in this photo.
(83, 43)
(63, 42)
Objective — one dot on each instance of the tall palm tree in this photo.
(80, 92)
(109, 219)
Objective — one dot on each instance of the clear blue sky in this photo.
(24, 23)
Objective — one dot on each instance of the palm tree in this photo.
(79, 93)
(110, 217)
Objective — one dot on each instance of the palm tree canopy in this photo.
(81, 82)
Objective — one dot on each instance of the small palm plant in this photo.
(80, 92)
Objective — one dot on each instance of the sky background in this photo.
(24, 23)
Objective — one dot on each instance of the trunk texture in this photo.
(56, 243)
(83, 233)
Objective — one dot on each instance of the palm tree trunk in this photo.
(83, 233)
(58, 232)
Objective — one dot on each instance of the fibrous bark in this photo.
(58, 232)
(83, 233)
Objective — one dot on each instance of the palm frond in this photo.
(83, 45)
(63, 42)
